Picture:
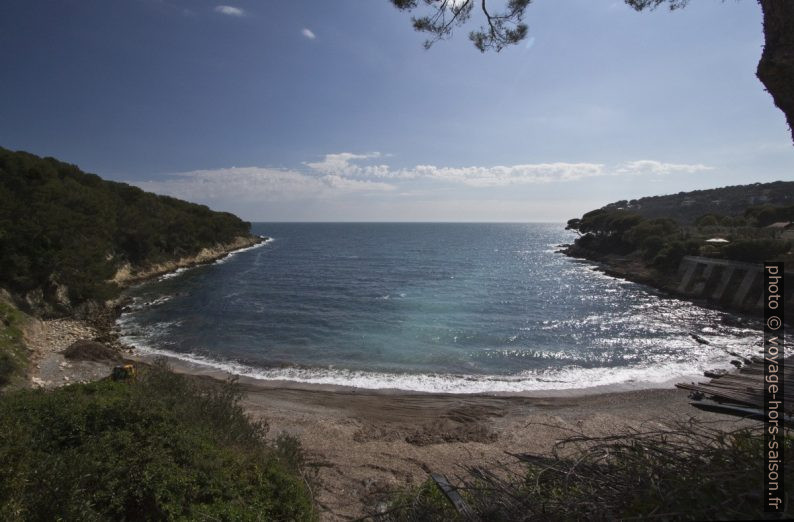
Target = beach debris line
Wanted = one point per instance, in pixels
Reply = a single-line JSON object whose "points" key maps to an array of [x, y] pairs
{"points": [[744, 387]]}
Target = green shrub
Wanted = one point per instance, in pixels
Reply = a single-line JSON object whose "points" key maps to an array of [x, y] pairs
{"points": [[708, 220], [424, 502], [663, 228], [755, 250], [669, 257], [165, 447], [764, 215], [651, 246], [13, 352]]}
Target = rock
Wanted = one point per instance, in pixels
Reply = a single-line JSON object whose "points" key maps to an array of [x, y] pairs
{"points": [[715, 374], [84, 350], [697, 395], [699, 339]]}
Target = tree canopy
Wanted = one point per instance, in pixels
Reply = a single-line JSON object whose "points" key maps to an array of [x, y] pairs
{"points": [[507, 27], [61, 227]]}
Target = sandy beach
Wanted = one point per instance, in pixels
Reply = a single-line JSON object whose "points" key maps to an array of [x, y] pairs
{"points": [[362, 444]]}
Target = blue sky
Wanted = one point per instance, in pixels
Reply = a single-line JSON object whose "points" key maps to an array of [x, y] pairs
{"points": [[327, 111]]}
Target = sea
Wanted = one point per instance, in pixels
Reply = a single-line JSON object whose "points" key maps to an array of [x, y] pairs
{"points": [[433, 307]]}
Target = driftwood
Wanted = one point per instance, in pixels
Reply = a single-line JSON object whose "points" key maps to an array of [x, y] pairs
{"points": [[454, 497], [747, 413], [745, 388]]}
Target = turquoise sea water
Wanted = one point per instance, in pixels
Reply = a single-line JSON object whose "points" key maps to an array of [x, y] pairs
{"points": [[432, 307]]}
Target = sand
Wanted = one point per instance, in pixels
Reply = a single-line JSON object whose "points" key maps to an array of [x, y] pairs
{"points": [[362, 444]]}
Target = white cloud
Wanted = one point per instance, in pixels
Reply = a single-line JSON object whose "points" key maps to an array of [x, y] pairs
{"points": [[659, 168], [229, 10], [348, 181], [308, 33], [341, 165], [511, 175], [347, 164], [257, 184]]}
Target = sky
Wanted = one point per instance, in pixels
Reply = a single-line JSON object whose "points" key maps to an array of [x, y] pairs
{"points": [[334, 111]]}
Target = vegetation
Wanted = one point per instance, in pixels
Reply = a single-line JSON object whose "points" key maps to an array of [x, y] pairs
{"points": [[163, 447], [658, 231], [689, 472], [506, 27], [755, 250], [659, 242], [61, 228], [687, 207], [501, 28], [765, 215], [13, 352]]}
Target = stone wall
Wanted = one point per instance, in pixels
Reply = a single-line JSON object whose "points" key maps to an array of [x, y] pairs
{"points": [[729, 284]]}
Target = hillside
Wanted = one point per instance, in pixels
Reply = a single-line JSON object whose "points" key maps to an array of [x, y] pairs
{"points": [[646, 240], [65, 233], [686, 207]]}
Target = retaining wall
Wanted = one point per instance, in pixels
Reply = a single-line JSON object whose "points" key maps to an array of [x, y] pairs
{"points": [[732, 284]]}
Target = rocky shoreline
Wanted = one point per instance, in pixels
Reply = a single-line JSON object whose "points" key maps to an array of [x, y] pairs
{"points": [[47, 339], [634, 270], [127, 276]]}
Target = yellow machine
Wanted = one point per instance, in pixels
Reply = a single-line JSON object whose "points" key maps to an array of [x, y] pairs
{"points": [[123, 373]]}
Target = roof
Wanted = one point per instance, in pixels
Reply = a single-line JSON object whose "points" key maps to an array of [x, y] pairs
{"points": [[780, 224]]}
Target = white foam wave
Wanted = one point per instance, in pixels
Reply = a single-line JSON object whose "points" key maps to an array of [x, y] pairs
{"points": [[225, 258], [169, 275], [570, 378], [139, 303]]}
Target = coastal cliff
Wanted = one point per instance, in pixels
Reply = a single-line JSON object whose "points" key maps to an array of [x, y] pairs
{"points": [[717, 283], [128, 275], [682, 245], [71, 241]]}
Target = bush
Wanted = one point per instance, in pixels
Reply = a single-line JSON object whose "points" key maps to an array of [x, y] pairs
{"points": [[662, 228], [164, 447], [689, 472], [765, 215], [669, 257], [651, 246], [755, 250], [708, 220], [13, 352]]}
